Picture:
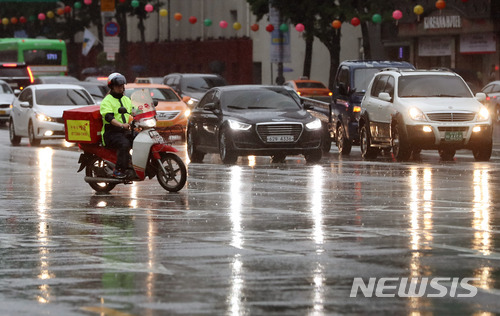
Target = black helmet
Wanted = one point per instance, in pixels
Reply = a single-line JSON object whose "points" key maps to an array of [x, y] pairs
{"points": [[116, 79]]}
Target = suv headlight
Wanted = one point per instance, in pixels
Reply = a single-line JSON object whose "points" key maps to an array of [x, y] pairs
{"points": [[239, 125], [483, 114], [314, 125], [416, 115]]}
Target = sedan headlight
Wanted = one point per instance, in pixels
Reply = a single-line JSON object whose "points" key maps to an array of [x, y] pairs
{"points": [[239, 125], [416, 115], [44, 118], [314, 125], [483, 114]]}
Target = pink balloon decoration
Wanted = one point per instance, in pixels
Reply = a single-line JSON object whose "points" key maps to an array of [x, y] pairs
{"points": [[41, 16], [299, 27], [87, 2], [223, 24], [397, 14], [148, 8]]}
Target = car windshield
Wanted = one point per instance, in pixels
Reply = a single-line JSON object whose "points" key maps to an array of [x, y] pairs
{"points": [[432, 86], [362, 78], [265, 99], [158, 94], [63, 97], [201, 83], [5, 89], [13, 72], [310, 85], [96, 91]]}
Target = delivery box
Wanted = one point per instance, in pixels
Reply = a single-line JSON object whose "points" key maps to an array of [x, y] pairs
{"points": [[83, 125]]}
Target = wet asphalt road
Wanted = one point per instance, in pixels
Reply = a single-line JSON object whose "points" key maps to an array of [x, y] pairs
{"points": [[249, 239]]}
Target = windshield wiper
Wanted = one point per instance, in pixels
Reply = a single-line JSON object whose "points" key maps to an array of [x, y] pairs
{"points": [[235, 107]]}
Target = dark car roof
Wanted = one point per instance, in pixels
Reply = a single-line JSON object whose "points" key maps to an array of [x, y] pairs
{"points": [[194, 75], [250, 87], [376, 64]]}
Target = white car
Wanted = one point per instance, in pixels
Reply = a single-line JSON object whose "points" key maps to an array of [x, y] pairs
{"points": [[411, 110], [7, 97], [37, 112]]}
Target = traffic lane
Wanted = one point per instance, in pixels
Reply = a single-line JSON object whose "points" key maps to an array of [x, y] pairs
{"points": [[253, 238]]}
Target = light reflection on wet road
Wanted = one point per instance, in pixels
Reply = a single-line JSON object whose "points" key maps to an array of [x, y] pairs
{"points": [[249, 239]]}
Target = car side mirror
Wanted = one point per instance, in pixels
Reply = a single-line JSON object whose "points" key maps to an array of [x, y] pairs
{"points": [[481, 96], [25, 104], [384, 96], [209, 107], [17, 92], [155, 103], [186, 99], [342, 89]]}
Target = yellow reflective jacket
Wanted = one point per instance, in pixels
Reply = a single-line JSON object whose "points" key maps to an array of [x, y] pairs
{"points": [[110, 105]]}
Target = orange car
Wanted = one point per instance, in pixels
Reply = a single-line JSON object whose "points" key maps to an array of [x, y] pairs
{"points": [[171, 112], [310, 89]]}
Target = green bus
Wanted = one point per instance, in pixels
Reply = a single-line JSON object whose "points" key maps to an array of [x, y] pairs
{"points": [[44, 56]]}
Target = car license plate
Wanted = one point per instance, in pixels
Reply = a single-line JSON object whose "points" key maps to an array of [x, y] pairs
{"points": [[3, 112], [453, 136], [157, 138], [280, 139]]}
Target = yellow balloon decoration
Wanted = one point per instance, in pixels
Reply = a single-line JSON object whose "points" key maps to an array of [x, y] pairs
{"points": [[418, 9], [50, 14], [236, 26], [5, 21], [163, 12]]}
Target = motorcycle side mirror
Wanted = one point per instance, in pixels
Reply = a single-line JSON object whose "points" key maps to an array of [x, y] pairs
{"points": [[155, 103], [122, 110]]}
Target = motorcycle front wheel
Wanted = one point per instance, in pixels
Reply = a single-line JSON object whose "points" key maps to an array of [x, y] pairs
{"points": [[96, 169], [175, 177]]}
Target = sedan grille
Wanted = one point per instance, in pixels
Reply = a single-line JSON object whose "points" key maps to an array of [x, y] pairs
{"points": [[279, 129], [452, 117], [4, 106]]}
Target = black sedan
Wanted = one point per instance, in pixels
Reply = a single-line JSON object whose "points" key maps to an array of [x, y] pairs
{"points": [[252, 120]]}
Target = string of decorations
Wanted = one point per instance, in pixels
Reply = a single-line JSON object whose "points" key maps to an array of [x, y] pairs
{"points": [[418, 10]]}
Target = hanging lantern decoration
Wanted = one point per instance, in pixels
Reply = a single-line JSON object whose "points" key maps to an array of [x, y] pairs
{"points": [[254, 27], [284, 27], [178, 16], [5, 21], [237, 26], [67, 9], [223, 24], [78, 5], [60, 11], [192, 20], [299, 27], [22, 20], [14, 20], [41, 16], [418, 10], [148, 8], [207, 22], [134, 3], [397, 15], [122, 1], [50, 14], [355, 21], [270, 28], [336, 24], [163, 12], [87, 2], [440, 4], [464, 1], [377, 18]]}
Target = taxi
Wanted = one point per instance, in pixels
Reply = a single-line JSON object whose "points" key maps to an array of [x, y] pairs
{"points": [[310, 89]]}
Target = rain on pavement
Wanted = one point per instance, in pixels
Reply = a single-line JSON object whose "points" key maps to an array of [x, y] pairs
{"points": [[249, 239]]}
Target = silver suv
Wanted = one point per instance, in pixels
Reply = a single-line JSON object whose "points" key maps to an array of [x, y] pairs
{"points": [[411, 110]]}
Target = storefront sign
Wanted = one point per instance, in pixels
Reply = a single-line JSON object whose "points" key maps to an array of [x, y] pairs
{"points": [[442, 22], [434, 46], [479, 43]]}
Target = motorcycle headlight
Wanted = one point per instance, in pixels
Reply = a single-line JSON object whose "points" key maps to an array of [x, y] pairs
{"points": [[416, 115], [483, 114], [314, 125], [239, 125], [148, 123]]}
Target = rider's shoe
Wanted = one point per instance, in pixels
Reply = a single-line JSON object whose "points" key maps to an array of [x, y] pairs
{"points": [[118, 174]]}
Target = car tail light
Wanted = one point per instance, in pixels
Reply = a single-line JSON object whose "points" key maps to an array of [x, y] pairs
{"points": [[9, 65], [31, 75]]}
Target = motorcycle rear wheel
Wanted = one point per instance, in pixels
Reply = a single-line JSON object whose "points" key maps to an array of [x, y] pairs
{"points": [[96, 168], [176, 175]]}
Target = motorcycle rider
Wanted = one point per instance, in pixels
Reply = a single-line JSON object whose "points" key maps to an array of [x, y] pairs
{"points": [[116, 109]]}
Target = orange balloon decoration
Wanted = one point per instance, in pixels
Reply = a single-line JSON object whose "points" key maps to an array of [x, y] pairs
{"points": [[336, 24], [178, 16], [440, 4], [13, 20], [254, 27]]}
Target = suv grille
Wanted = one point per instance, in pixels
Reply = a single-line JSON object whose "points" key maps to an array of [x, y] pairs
{"points": [[283, 129], [452, 117]]}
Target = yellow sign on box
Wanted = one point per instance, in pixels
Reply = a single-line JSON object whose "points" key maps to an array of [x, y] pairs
{"points": [[78, 130], [107, 5]]}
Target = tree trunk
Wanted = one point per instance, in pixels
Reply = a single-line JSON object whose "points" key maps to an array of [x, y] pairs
{"points": [[309, 38], [122, 57], [367, 52]]}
